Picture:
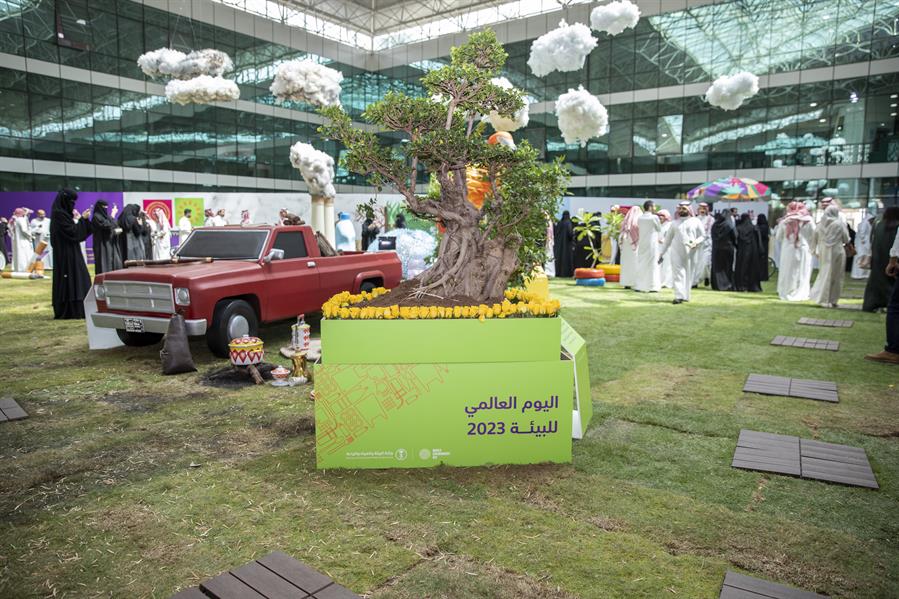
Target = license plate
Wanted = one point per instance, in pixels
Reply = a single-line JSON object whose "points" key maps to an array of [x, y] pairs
{"points": [[134, 325]]}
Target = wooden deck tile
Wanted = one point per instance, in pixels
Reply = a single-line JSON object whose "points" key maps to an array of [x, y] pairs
{"points": [[740, 586], [856, 307], [805, 343], [806, 458], [10, 410], [786, 387], [295, 572], [191, 593]]}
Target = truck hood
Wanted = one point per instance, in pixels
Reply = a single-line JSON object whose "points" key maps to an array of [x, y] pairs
{"points": [[190, 271]]}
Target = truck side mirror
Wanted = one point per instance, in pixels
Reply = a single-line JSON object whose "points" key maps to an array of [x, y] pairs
{"points": [[274, 254]]}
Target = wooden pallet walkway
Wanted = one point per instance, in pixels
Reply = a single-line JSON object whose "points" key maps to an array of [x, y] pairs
{"points": [[805, 343], [823, 322], [787, 387], [740, 586], [10, 410], [275, 576]]}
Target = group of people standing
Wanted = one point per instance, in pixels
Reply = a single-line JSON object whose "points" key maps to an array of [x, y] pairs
{"points": [[26, 237]]}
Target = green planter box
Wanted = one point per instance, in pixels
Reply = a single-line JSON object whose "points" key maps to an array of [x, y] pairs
{"points": [[420, 393]]}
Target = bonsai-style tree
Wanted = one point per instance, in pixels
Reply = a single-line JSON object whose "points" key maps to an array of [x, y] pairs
{"points": [[482, 248]]}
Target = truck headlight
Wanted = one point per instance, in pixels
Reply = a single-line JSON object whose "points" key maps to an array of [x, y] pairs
{"points": [[100, 292], [182, 296]]}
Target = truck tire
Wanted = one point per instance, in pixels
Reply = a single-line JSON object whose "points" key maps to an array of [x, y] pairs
{"points": [[367, 286], [231, 319], [138, 339]]}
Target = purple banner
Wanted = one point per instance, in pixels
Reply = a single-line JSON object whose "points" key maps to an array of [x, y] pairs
{"points": [[43, 200]]}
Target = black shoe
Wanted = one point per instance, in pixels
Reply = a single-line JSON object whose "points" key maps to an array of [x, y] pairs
{"points": [[706, 282], [677, 301]]}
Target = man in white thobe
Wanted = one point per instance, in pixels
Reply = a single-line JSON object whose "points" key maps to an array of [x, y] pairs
{"points": [[209, 217], [704, 270], [40, 231], [22, 244], [862, 249], [649, 272], [219, 219], [684, 239], [184, 225]]}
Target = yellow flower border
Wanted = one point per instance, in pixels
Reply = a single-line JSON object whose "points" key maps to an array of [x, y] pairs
{"points": [[518, 303]]}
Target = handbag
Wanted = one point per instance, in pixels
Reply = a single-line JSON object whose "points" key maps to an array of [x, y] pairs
{"points": [[850, 249]]}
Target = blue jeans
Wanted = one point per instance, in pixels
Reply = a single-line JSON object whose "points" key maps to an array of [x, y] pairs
{"points": [[893, 320]]}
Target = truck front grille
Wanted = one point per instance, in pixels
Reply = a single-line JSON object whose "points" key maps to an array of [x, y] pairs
{"points": [[138, 296]]}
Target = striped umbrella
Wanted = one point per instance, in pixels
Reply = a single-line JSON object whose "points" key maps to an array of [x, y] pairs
{"points": [[734, 189]]}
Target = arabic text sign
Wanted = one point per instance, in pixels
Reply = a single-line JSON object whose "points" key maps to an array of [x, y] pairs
{"points": [[460, 414]]}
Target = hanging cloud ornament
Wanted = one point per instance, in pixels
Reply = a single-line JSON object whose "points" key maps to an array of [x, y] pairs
{"points": [[160, 63], [201, 90], [729, 93], [615, 17], [581, 116], [316, 167], [166, 62], [307, 81], [562, 49], [503, 123]]}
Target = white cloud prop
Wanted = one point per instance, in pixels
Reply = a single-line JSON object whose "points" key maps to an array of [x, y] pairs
{"points": [[316, 167], [307, 81], [161, 62], [214, 63], [615, 17], [562, 49], [581, 116], [729, 93], [166, 62], [503, 123], [201, 90]]}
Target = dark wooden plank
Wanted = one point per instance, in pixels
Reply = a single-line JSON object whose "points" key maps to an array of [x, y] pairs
{"points": [[767, 378], [735, 593], [226, 586], [813, 383], [808, 445], [767, 467], [750, 434], [14, 412], [8, 402], [3, 417], [190, 593], [812, 468], [335, 591], [754, 455], [267, 583], [295, 572], [853, 470], [766, 588], [817, 394]]}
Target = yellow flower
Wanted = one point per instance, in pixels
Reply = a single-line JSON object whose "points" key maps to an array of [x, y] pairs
{"points": [[457, 311], [344, 313]]}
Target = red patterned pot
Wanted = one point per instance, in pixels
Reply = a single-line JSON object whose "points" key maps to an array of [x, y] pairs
{"points": [[246, 350]]}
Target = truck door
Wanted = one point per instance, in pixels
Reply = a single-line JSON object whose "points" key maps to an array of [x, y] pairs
{"points": [[293, 286]]}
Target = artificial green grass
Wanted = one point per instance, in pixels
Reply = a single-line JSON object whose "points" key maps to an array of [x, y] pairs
{"points": [[127, 483]]}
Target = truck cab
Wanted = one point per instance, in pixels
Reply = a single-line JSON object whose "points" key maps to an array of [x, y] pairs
{"points": [[225, 281]]}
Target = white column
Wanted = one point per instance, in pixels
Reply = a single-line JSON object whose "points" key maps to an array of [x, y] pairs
{"points": [[318, 214], [330, 221]]}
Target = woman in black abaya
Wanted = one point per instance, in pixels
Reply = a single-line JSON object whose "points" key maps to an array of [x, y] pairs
{"points": [[764, 238], [747, 276], [107, 255], [563, 246], [132, 239], [724, 243], [71, 281]]}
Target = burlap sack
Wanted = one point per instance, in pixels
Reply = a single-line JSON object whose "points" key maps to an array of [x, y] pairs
{"points": [[175, 353]]}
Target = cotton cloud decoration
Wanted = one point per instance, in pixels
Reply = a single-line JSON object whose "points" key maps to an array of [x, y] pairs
{"points": [[615, 17], [160, 63], [166, 62], [562, 49], [201, 90], [307, 81], [505, 123], [729, 93], [581, 116], [316, 167]]}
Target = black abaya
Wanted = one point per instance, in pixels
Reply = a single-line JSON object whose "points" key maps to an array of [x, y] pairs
{"points": [[747, 275], [107, 254], [132, 243], [764, 238], [563, 246], [724, 242], [71, 281], [879, 285]]}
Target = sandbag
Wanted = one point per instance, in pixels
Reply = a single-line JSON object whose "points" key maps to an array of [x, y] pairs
{"points": [[597, 282], [175, 353]]}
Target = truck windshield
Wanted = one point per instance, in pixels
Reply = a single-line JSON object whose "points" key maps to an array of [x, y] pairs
{"points": [[224, 244]]}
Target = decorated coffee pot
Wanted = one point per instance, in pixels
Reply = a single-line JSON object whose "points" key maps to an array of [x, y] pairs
{"points": [[246, 350]]}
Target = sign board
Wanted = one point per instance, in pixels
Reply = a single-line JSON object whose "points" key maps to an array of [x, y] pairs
{"points": [[459, 414]]}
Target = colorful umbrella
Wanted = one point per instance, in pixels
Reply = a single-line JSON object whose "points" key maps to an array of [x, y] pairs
{"points": [[734, 189]]}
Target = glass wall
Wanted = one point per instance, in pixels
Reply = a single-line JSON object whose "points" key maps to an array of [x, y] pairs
{"points": [[846, 121]]}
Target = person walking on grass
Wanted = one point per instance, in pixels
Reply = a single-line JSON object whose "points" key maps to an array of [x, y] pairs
{"points": [[649, 273], [828, 245], [890, 353], [685, 239]]}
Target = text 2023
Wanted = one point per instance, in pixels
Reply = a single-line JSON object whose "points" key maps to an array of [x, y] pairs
{"points": [[486, 428]]}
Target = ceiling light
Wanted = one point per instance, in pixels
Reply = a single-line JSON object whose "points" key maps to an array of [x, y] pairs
{"points": [[894, 96], [81, 22], [892, 114], [893, 105], [822, 120], [813, 104]]}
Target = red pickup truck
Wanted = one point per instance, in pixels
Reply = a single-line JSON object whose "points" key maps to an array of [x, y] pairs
{"points": [[257, 274]]}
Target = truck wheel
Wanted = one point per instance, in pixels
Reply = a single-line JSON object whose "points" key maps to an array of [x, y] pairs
{"points": [[138, 339], [367, 286], [231, 319]]}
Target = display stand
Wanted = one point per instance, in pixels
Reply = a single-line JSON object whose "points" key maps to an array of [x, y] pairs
{"points": [[98, 338], [420, 393]]}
